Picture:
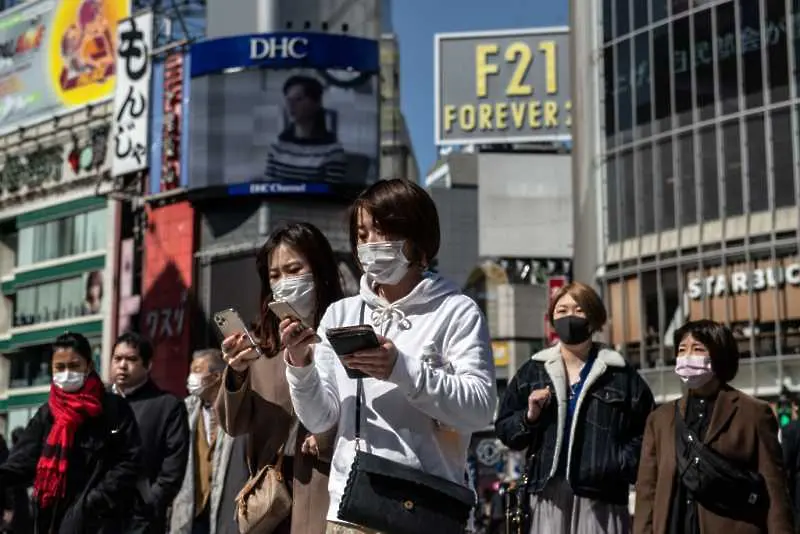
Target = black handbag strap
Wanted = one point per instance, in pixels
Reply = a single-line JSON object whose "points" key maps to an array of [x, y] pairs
{"points": [[359, 389]]}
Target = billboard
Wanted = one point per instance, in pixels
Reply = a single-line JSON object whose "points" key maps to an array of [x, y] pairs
{"points": [[284, 113], [56, 56], [502, 87]]}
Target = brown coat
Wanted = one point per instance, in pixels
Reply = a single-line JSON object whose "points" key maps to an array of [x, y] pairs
{"points": [[742, 429], [262, 409]]}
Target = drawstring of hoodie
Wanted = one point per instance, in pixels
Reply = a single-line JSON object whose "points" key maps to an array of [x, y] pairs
{"points": [[384, 316]]}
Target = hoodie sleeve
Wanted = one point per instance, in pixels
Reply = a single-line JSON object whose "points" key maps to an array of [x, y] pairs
{"points": [[466, 398], [313, 388]]}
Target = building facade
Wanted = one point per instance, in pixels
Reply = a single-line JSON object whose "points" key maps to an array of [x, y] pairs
{"points": [[686, 177]]}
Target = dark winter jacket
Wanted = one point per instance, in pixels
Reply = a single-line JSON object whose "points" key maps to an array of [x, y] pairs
{"points": [[164, 430], [101, 478]]}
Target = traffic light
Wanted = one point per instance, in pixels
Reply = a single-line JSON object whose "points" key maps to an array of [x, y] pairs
{"points": [[784, 411]]}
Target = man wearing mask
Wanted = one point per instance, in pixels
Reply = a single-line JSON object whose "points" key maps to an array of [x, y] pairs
{"points": [[216, 468], [163, 427]]}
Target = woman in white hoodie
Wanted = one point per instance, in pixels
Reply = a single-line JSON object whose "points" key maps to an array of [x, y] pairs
{"points": [[431, 382]]}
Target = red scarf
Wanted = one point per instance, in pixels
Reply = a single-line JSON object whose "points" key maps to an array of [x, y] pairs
{"points": [[69, 410]]}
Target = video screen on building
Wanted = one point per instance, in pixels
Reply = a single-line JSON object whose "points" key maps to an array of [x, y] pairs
{"points": [[268, 126]]}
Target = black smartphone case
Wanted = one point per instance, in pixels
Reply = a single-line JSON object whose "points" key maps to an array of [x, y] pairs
{"points": [[350, 339]]}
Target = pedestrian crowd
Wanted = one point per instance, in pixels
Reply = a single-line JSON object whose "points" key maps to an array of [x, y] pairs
{"points": [[354, 414]]}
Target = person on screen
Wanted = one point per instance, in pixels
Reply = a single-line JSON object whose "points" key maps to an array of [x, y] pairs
{"points": [[306, 150], [94, 293]]}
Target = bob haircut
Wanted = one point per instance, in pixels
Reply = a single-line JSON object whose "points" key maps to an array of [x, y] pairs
{"points": [[308, 241], [589, 301], [403, 210], [719, 341]]}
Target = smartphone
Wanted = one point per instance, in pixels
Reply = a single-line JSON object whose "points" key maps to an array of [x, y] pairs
{"points": [[349, 339], [230, 323], [284, 310]]}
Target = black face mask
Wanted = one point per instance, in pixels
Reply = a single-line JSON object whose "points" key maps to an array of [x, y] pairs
{"points": [[572, 329]]}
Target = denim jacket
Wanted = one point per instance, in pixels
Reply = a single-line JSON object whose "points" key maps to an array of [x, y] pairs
{"points": [[605, 436]]}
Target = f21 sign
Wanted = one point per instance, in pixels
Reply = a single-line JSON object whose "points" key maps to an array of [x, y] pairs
{"points": [[132, 95]]}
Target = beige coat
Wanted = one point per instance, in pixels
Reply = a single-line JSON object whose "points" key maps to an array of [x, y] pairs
{"points": [[262, 409]]}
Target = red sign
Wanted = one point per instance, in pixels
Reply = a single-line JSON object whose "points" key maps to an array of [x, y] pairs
{"points": [[554, 283], [166, 283], [173, 117]]}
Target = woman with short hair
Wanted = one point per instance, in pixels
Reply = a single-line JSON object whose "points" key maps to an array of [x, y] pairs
{"points": [[429, 384], [578, 409], [712, 424]]}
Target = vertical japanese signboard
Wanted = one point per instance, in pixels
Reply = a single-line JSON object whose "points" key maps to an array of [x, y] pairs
{"points": [[554, 283], [132, 95]]}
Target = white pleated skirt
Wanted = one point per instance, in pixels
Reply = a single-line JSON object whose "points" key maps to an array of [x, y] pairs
{"points": [[556, 510]]}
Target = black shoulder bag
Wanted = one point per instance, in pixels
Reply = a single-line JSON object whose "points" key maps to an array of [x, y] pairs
{"points": [[713, 480], [393, 498]]}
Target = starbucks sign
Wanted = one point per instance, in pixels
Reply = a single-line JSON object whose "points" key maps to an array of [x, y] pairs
{"points": [[739, 282]]}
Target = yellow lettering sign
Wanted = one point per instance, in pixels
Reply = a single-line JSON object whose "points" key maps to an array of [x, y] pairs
{"points": [[532, 115], [520, 56], [483, 69]]}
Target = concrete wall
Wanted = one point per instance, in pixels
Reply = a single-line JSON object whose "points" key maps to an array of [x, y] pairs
{"points": [[525, 205], [458, 219]]}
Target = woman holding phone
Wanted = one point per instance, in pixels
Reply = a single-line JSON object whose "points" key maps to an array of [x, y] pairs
{"points": [[431, 380], [297, 266]]}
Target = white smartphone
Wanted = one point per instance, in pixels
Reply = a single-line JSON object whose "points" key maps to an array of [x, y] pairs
{"points": [[284, 310], [229, 323]]}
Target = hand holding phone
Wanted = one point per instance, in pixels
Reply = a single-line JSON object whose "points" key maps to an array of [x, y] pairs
{"points": [[284, 310], [363, 353], [239, 345]]}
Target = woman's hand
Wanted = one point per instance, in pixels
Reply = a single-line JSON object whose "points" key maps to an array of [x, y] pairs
{"points": [[377, 363], [537, 401], [310, 446], [238, 352], [297, 339]]}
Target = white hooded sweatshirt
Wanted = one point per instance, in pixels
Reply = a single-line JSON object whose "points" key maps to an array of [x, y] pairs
{"points": [[424, 414]]}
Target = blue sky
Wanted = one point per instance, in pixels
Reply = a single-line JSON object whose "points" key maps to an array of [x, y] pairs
{"points": [[415, 23]]}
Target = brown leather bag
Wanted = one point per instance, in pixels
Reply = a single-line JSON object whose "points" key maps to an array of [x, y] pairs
{"points": [[264, 501]]}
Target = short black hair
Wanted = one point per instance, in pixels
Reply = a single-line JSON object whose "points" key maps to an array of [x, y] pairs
{"points": [[719, 341], [138, 342], [76, 342], [312, 87], [16, 435]]}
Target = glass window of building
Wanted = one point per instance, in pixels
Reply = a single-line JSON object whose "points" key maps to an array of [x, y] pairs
{"points": [[732, 168], [646, 202], [628, 183], [757, 164], [665, 185], [688, 193], [727, 58], [704, 64], [679, 6], [612, 199], [682, 75], [641, 76], [623, 89], [54, 301], [659, 8], [795, 15], [30, 367], [77, 234], [708, 173], [641, 15], [782, 160], [750, 46], [623, 17], [662, 79], [777, 50], [608, 21], [610, 100]]}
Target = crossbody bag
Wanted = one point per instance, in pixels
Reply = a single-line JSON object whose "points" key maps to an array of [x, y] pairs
{"points": [[393, 498]]}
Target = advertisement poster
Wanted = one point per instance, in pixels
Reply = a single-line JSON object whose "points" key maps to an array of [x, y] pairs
{"points": [[56, 56]]}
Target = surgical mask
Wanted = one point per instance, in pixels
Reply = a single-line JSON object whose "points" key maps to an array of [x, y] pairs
{"points": [[69, 381], [385, 262], [694, 370], [194, 384], [298, 291], [572, 329]]}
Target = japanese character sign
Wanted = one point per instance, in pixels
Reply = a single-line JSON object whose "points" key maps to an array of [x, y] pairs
{"points": [[132, 95]]}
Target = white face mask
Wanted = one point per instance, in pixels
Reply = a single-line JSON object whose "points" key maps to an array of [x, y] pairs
{"points": [[194, 384], [385, 262], [298, 291], [69, 381], [694, 370]]}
